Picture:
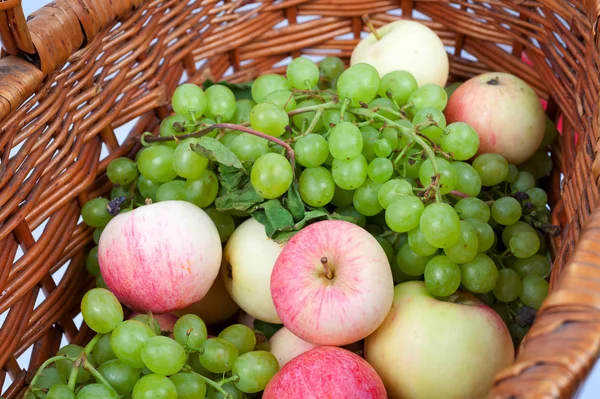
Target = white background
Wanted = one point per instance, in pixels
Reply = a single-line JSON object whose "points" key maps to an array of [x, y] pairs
{"points": [[590, 389]]}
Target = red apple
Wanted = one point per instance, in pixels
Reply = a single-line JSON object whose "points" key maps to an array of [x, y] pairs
{"points": [[285, 346], [166, 321], [429, 348], [504, 111], [332, 283], [326, 372]]}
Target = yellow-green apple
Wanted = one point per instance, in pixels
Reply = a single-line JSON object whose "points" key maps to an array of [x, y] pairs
{"points": [[405, 46], [505, 112], [326, 372], [332, 283], [285, 346], [432, 348], [249, 259]]}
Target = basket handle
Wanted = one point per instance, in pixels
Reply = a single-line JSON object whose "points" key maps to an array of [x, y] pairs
{"points": [[13, 28], [564, 342]]}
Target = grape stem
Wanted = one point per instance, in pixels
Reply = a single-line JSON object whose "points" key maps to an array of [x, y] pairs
{"points": [[90, 346], [73, 376], [309, 108], [459, 194], [403, 152], [233, 378], [230, 126], [47, 363], [215, 385], [409, 133], [314, 121], [343, 109], [99, 377]]}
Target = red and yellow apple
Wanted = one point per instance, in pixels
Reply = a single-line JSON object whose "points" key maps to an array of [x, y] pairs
{"points": [[285, 346]]}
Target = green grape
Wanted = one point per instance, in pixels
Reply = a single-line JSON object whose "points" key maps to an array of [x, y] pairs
{"points": [[218, 355], [411, 263], [461, 140], [538, 165], [413, 167], [284, 99], [243, 107], [271, 175], [466, 248], [342, 197], [316, 186], [385, 244], [451, 88], [506, 211], [533, 291], [400, 277], [229, 137], [269, 118], [220, 103], [174, 190], [187, 163], [365, 198], [203, 191], [149, 321], [64, 366], [311, 150], [156, 163], [223, 221], [435, 132], [49, 377], [102, 351], [351, 174], [473, 208], [538, 197], [524, 244], [97, 391], [440, 225], [241, 336], [442, 276], [95, 212], [101, 310], [190, 331], [480, 274], [382, 105], [230, 388], [331, 68], [91, 262], [121, 171], [147, 187], [358, 83], [302, 73], [96, 234], [303, 120], [380, 170], [255, 370], [404, 213], [418, 244], [154, 386], [525, 181], [60, 391], [163, 355], [370, 136], [189, 386], [512, 229], [508, 286], [267, 84], [391, 135], [121, 376], [428, 95], [349, 211], [189, 100], [448, 175], [331, 117], [488, 298], [535, 265], [194, 362], [127, 341], [392, 189], [345, 141], [513, 172], [397, 85], [174, 125], [403, 139], [382, 148], [248, 148], [485, 234], [492, 168], [468, 180]]}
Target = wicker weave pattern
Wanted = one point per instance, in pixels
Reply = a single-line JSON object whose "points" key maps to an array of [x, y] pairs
{"points": [[50, 148]]}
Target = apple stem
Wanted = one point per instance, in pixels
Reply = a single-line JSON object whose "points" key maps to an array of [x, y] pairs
{"points": [[369, 24], [493, 82], [328, 271]]}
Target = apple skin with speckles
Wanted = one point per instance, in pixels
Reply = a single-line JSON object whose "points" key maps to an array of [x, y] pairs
{"points": [[332, 284], [160, 257]]}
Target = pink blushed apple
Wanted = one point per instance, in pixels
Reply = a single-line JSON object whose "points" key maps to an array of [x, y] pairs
{"points": [[432, 348], [332, 283], [326, 372], [505, 112]]}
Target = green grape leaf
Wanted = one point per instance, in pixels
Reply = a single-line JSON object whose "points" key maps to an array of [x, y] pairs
{"points": [[216, 151], [311, 216], [240, 90], [230, 177], [267, 329], [282, 237], [274, 217], [337, 216], [294, 203], [244, 199]]}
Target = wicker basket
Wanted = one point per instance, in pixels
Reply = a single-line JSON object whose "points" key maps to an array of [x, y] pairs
{"points": [[78, 70]]}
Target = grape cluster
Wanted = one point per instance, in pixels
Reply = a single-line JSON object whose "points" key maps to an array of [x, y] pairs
{"points": [[135, 359]]}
